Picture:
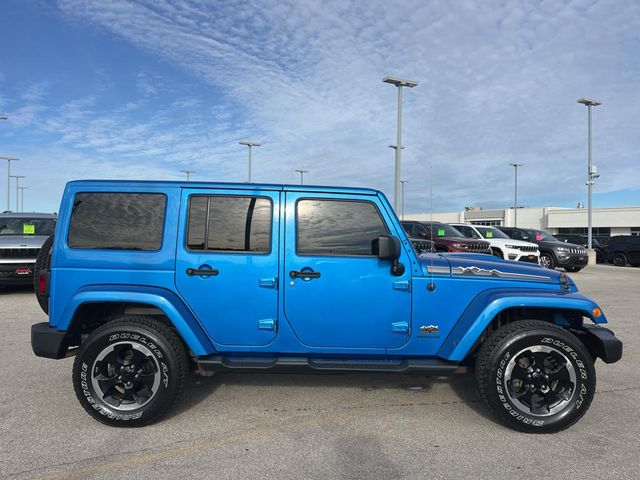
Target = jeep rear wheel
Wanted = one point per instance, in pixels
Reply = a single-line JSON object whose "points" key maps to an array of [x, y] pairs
{"points": [[130, 371], [535, 377]]}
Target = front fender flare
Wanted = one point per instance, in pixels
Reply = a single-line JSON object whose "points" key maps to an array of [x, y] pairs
{"points": [[484, 308], [188, 327]]}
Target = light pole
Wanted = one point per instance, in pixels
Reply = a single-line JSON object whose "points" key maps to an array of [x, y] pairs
{"points": [[403, 182], [9, 160], [188, 172], [302, 172], [250, 145], [591, 171], [398, 82], [17, 177], [22, 189], [515, 206]]}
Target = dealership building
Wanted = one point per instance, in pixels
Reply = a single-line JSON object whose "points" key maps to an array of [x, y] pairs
{"points": [[607, 222]]}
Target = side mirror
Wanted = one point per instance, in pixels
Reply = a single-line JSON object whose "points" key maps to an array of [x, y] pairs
{"points": [[388, 248]]}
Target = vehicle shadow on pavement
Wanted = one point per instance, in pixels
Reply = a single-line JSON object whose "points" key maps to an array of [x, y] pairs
{"points": [[16, 289], [462, 386]]}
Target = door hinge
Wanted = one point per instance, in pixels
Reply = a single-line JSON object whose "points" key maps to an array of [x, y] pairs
{"points": [[400, 327], [267, 324], [402, 285], [268, 282]]}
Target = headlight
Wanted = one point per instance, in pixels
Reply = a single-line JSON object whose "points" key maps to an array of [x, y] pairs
{"points": [[514, 247], [563, 249], [460, 245]]}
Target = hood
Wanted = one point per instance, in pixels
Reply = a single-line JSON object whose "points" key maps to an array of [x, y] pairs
{"points": [[510, 241], [22, 241], [487, 266]]}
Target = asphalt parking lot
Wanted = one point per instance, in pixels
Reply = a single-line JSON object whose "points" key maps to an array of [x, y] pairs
{"points": [[316, 426]]}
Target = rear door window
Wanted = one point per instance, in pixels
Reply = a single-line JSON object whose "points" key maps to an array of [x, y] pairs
{"points": [[227, 223], [117, 221]]}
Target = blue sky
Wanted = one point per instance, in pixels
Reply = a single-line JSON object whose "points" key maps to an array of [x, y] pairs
{"points": [[144, 89]]}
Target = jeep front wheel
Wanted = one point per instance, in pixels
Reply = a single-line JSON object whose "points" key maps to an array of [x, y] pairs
{"points": [[535, 376], [547, 260], [130, 371]]}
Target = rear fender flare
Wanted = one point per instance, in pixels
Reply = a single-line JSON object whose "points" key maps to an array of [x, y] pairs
{"points": [[186, 324]]}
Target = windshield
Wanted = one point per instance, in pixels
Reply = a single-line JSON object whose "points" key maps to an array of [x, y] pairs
{"points": [[443, 230], [26, 226], [541, 236], [490, 232]]}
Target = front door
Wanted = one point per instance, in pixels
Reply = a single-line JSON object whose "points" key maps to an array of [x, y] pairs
{"points": [[227, 263], [338, 294]]}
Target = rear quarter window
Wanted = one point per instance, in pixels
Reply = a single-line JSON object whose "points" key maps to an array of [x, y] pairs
{"points": [[117, 221]]}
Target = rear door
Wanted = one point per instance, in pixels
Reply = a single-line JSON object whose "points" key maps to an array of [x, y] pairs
{"points": [[227, 263], [338, 293]]}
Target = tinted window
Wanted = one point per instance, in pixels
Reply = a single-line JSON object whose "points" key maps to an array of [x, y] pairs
{"points": [[117, 221], [26, 226], [229, 223], [442, 230], [330, 227], [491, 232]]}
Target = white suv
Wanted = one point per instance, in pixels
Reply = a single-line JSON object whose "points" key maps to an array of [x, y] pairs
{"points": [[501, 245]]}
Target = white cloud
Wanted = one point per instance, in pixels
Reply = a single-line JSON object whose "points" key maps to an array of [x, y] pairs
{"points": [[498, 83]]}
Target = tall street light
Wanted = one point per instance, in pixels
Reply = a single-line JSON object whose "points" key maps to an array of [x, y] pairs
{"points": [[515, 205], [302, 172], [9, 160], [398, 82], [17, 177], [591, 170], [250, 145], [22, 189], [188, 172], [403, 182]]}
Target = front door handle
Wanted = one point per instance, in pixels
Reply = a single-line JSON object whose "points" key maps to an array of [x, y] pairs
{"points": [[202, 272], [303, 274]]}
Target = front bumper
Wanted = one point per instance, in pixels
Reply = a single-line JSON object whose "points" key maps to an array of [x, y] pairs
{"points": [[48, 342], [601, 342], [572, 260], [16, 273]]}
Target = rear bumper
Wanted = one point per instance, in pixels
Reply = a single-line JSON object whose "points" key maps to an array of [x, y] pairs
{"points": [[601, 342], [48, 342]]}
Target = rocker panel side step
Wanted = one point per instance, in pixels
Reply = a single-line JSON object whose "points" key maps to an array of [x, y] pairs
{"points": [[434, 367]]}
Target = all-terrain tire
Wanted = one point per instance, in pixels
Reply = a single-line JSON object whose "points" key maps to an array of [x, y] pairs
{"points": [[118, 361], [43, 262], [507, 348]]}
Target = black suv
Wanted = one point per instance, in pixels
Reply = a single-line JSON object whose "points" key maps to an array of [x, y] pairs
{"points": [[623, 249], [583, 240], [553, 252]]}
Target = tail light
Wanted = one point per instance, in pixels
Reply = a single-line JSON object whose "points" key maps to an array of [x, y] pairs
{"points": [[42, 282]]}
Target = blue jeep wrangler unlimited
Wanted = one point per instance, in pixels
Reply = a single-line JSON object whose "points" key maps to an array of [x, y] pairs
{"points": [[146, 282]]}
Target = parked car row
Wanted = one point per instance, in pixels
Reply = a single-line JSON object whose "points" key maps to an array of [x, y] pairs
{"points": [[568, 251], [517, 244]]}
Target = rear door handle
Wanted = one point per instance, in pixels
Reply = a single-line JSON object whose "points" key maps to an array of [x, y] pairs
{"points": [[202, 272], [301, 274]]}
